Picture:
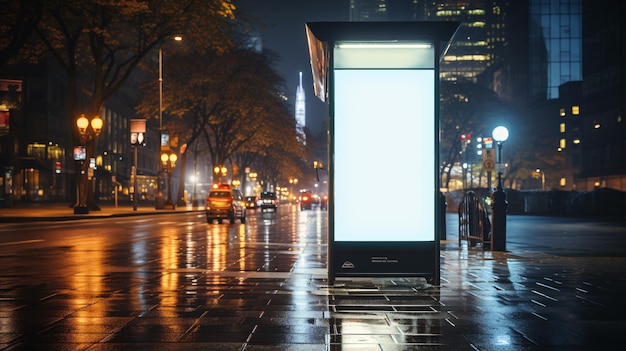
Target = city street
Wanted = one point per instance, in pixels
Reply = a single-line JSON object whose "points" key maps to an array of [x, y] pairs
{"points": [[174, 282]]}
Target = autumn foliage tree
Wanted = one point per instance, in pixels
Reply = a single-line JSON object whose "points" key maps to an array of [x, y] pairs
{"points": [[465, 108], [18, 22], [228, 102], [100, 43]]}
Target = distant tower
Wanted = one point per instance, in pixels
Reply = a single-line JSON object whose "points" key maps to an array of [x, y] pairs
{"points": [[300, 112]]}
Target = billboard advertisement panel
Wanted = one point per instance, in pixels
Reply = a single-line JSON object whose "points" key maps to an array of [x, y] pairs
{"points": [[384, 152], [381, 82]]}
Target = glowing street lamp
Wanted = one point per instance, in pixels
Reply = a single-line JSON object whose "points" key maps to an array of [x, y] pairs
{"points": [[220, 173], [498, 239], [88, 136], [137, 137], [168, 161]]}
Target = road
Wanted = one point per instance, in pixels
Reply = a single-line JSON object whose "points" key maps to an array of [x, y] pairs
{"points": [[165, 282], [174, 241]]}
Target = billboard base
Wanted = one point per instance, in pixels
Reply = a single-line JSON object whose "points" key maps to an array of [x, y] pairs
{"points": [[385, 259]]}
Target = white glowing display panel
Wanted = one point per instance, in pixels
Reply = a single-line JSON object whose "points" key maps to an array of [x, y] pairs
{"points": [[384, 155]]}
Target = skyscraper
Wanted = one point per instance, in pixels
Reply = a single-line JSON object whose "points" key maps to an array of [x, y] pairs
{"points": [[559, 28], [478, 43], [386, 10], [300, 112], [601, 121]]}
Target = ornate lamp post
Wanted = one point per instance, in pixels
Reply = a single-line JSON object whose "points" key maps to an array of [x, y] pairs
{"points": [[220, 173], [137, 136], [89, 131], [168, 161], [498, 240]]}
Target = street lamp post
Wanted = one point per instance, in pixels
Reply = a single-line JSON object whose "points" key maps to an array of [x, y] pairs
{"points": [[543, 178], [220, 173], [159, 204], [168, 162], [252, 176], [292, 182], [137, 137], [499, 206], [89, 131]]}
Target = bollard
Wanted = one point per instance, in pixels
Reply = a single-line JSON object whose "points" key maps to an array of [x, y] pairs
{"points": [[498, 218]]}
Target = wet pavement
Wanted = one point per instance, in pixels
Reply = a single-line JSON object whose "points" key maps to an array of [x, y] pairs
{"points": [[263, 286]]}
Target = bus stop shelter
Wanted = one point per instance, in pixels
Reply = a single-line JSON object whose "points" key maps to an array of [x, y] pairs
{"points": [[381, 83]]}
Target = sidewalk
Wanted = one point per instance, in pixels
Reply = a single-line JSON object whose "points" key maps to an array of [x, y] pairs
{"points": [[63, 212], [260, 296]]}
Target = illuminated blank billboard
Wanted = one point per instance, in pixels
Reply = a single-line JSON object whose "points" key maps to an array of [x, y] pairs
{"points": [[381, 82], [384, 144]]}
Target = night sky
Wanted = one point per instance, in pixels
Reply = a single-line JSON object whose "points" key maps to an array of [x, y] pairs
{"points": [[285, 34]]}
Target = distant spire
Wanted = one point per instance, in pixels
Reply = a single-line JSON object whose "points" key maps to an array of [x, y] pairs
{"points": [[300, 111]]}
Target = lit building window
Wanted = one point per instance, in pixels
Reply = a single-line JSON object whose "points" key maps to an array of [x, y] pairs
{"points": [[575, 110], [562, 112], [576, 141], [562, 144], [563, 182], [37, 150], [596, 126], [476, 25], [476, 12], [562, 127]]}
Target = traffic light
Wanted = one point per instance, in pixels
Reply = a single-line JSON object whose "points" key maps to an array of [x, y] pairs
{"points": [[466, 137]]}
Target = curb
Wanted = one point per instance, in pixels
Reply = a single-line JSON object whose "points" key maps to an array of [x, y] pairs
{"points": [[71, 217]]}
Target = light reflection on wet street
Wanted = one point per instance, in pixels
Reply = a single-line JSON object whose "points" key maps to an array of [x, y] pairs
{"points": [[173, 282]]}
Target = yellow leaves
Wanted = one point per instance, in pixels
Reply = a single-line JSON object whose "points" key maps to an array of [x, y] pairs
{"points": [[227, 9]]}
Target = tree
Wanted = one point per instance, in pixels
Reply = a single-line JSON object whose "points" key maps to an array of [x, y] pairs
{"points": [[531, 145], [465, 108], [17, 23], [227, 97], [275, 152], [105, 41]]}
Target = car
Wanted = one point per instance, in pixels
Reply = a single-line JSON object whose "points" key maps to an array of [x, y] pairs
{"points": [[252, 202], [224, 202], [268, 201], [306, 200]]}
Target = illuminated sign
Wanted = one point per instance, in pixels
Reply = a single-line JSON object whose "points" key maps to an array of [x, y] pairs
{"points": [[382, 154], [80, 153]]}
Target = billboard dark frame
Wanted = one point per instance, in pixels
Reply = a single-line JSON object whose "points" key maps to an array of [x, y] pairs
{"points": [[365, 70]]}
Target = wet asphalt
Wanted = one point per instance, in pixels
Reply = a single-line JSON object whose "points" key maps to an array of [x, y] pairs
{"points": [[173, 282]]}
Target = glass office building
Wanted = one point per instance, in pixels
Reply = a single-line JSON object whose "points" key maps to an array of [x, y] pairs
{"points": [[559, 27]]}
